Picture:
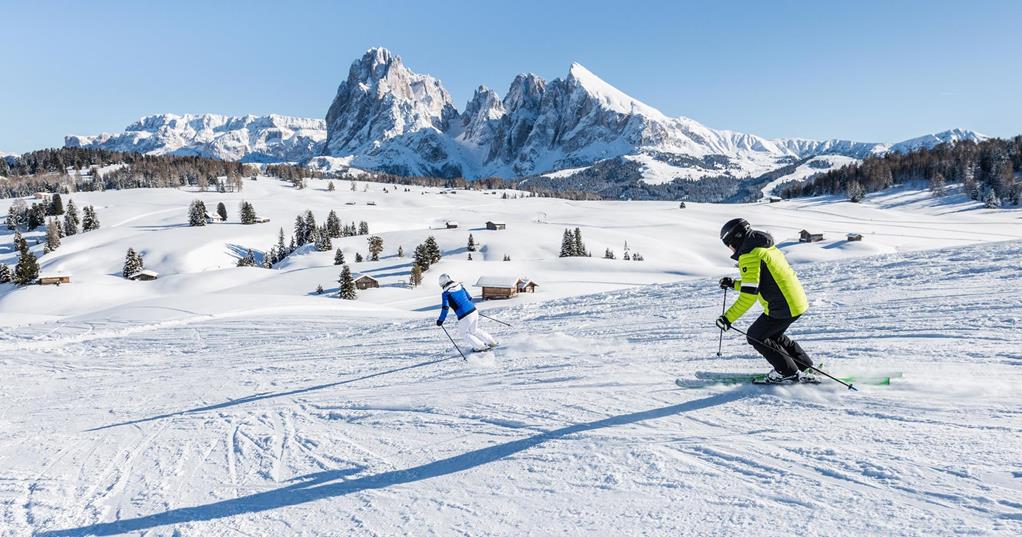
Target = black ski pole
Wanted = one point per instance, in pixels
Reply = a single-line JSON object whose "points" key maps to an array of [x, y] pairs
{"points": [[496, 320], [452, 342], [720, 344], [793, 359]]}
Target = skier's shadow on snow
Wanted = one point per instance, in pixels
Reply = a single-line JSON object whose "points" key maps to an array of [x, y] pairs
{"points": [[270, 395], [319, 486]]}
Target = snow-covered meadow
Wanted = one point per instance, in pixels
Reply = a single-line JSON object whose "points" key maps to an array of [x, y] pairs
{"points": [[219, 400]]}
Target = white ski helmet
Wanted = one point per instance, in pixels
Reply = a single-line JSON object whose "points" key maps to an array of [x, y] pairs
{"points": [[445, 280]]}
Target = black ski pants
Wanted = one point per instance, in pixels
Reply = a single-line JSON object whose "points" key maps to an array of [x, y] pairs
{"points": [[781, 351]]}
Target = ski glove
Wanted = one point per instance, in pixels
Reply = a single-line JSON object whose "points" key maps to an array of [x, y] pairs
{"points": [[439, 322], [723, 323], [727, 283]]}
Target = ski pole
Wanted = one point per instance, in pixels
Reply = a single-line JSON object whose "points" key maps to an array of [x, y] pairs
{"points": [[496, 320], [452, 342], [793, 359], [720, 344]]}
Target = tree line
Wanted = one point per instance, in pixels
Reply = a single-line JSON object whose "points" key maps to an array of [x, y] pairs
{"points": [[988, 171]]}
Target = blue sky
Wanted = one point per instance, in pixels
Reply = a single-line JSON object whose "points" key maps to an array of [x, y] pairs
{"points": [[869, 71]]}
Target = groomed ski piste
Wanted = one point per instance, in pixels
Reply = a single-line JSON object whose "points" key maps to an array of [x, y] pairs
{"points": [[225, 401]]}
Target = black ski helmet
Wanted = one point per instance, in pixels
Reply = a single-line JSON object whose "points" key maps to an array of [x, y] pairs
{"points": [[734, 232]]}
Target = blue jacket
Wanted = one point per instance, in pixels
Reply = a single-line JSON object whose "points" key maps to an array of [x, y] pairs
{"points": [[458, 298]]}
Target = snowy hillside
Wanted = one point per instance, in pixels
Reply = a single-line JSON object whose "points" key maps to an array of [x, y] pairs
{"points": [[270, 138], [200, 261], [809, 169], [387, 117], [216, 401]]}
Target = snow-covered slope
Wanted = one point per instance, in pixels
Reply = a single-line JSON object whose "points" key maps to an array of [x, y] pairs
{"points": [[270, 138], [809, 169], [241, 414], [386, 117]]}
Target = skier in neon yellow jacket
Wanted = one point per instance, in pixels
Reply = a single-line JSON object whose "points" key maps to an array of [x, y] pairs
{"points": [[766, 276]]}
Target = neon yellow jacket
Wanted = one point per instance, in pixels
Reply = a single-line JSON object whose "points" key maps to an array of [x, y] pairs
{"points": [[766, 276]]}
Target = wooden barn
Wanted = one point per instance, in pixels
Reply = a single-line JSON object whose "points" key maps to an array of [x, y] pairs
{"points": [[496, 225], [365, 281], [505, 286], [144, 276], [451, 224], [805, 236], [54, 279], [854, 237]]}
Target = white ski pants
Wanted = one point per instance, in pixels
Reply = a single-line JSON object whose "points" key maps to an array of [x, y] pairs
{"points": [[468, 329]]}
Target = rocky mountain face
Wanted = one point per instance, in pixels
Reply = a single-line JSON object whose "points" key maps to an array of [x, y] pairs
{"points": [[386, 117], [269, 138]]}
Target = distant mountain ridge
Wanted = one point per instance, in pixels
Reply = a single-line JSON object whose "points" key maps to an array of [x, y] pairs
{"points": [[386, 117]]}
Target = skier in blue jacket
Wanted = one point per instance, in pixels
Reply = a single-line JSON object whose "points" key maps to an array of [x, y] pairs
{"points": [[455, 296]]}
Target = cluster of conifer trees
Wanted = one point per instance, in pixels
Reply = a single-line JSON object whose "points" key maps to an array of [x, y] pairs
{"points": [[988, 171]]}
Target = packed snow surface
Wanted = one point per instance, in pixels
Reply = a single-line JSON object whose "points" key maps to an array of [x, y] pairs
{"points": [[220, 400]]}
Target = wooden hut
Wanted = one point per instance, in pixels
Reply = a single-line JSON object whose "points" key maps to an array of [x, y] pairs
{"points": [[505, 286], [451, 224], [496, 225], [144, 276], [805, 236], [54, 279], [854, 237], [365, 281]]}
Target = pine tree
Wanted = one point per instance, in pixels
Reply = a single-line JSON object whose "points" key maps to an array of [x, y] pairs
{"points": [[422, 257], [568, 244], [36, 216], [358, 257], [433, 250], [319, 288], [56, 206], [132, 263], [415, 278], [90, 221], [400, 251], [5, 274], [347, 287], [248, 260], [71, 219], [375, 247], [363, 228], [471, 243], [507, 257], [627, 257], [52, 234], [339, 257], [310, 227], [323, 243], [855, 191], [248, 214], [281, 245], [580, 247], [609, 254], [268, 258], [300, 234], [27, 269], [333, 224], [197, 213], [470, 256], [221, 211], [330, 187]]}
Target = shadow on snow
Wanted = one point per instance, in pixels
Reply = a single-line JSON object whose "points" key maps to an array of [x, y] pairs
{"points": [[270, 395]]}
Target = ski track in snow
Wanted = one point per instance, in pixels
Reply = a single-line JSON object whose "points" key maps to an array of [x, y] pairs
{"points": [[307, 422]]}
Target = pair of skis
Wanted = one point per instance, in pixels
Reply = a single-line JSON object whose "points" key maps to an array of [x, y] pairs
{"points": [[703, 378]]}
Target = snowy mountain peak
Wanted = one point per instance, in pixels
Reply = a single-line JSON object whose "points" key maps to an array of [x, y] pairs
{"points": [[931, 140], [609, 96], [382, 100]]}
